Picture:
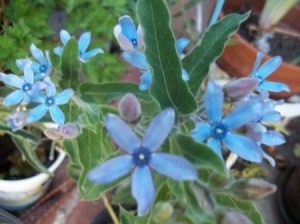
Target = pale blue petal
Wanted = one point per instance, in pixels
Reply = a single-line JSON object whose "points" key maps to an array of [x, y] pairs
{"points": [[37, 113], [35, 67], [272, 138], [274, 86], [215, 145], [176, 167], [51, 90], [22, 62], [269, 67], [37, 53], [271, 117], [201, 132], [26, 99], [28, 74], [111, 170], [185, 76], [64, 96], [13, 98], [142, 189], [244, 147], [145, 81], [121, 133], [181, 44], [136, 59], [13, 80], [85, 56], [64, 36], [38, 97], [84, 41], [242, 114], [159, 129], [213, 101], [58, 50], [259, 57], [57, 115], [128, 29]]}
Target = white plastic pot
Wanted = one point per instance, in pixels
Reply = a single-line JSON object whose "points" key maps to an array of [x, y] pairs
{"points": [[19, 194]]}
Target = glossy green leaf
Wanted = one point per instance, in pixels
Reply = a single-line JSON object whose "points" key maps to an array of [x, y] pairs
{"points": [[200, 155], [167, 86], [127, 217], [198, 61], [70, 65]]}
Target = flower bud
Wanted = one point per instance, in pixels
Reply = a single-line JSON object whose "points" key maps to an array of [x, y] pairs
{"points": [[232, 217], [253, 188], [52, 133], [240, 88], [70, 130], [130, 108], [164, 211], [16, 120], [218, 180]]}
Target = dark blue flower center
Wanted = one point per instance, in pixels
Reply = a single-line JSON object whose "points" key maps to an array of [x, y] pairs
{"points": [[219, 131], [26, 87], [43, 68], [50, 101], [134, 42], [141, 157]]}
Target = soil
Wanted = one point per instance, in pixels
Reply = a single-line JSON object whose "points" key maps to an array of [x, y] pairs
{"points": [[287, 46]]}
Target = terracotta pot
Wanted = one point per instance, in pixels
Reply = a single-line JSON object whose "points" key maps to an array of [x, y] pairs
{"points": [[238, 59]]}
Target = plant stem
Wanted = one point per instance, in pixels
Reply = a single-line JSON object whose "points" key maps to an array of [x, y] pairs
{"points": [[207, 194], [110, 209]]}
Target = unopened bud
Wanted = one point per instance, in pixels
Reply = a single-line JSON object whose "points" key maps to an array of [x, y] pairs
{"points": [[240, 88], [52, 133], [232, 217], [252, 188], [130, 108], [70, 130], [163, 212], [218, 180], [16, 120]]}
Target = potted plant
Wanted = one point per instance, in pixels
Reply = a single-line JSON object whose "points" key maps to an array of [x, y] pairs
{"points": [[238, 57]]}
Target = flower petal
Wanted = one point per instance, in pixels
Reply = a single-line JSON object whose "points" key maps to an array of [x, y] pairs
{"points": [[184, 75], [37, 53], [57, 115], [274, 86], [125, 43], [201, 132], [37, 113], [243, 147], [159, 129], [87, 55], [121, 133], [140, 36], [136, 59], [173, 166], [271, 117], [13, 98], [272, 138], [145, 81], [64, 36], [64, 96], [215, 145], [84, 41], [258, 59], [269, 67], [58, 50], [142, 189], [213, 102], [22, 62], [111, 170], [28, 74], [181, 44], [13, 80], [128, 29]]}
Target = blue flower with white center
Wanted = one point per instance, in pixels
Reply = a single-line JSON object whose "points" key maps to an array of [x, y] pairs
{"points": [[138, 60], [266, 69], [220, 130], [141, 157], [26, 87], [50, 102], [42, 67], [83, 43]]}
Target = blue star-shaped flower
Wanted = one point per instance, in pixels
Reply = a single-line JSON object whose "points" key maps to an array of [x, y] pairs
{"points": [[83, 43], [219, 130], [50, 102], [141, 157], [266, 69], [42, 67]]}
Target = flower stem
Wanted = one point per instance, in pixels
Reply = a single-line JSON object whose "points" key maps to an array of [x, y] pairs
{"points": [[110, 209]]}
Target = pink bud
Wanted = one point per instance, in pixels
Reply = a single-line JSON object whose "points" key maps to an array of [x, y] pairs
{"points": [[232, 217], [70, 130], [130, 108], [240, 88], [52, 133]]}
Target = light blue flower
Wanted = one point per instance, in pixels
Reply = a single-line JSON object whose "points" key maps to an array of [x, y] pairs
{"points": [[83, 43], [220, 130], [26, 87], [141, 157], [42, 67], [50, 102], [266, 69]]}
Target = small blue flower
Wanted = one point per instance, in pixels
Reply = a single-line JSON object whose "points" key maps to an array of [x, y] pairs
{"points": [[141, 157], [83, 43], [50, 102], [266, 69], [219, 130], [26, 87], [42, 67]]}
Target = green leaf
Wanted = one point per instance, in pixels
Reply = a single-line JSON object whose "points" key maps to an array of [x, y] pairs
{"points": [[123, 196], [127, 217], [200, 155], [245, 206], [167, 86], [70, 65], [198, 61]]}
